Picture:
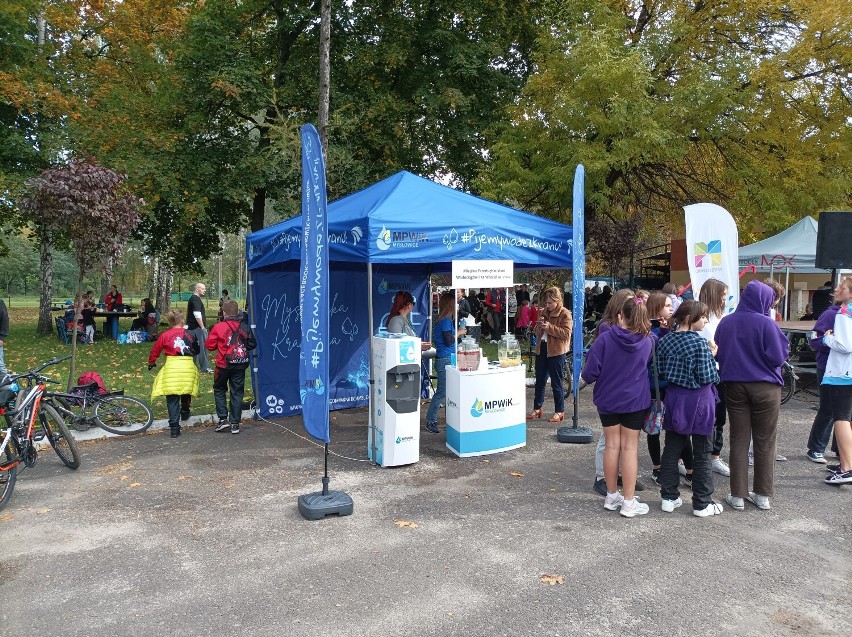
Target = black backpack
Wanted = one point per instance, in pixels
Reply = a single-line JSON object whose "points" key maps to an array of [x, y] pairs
{"points": [[240, 343]]}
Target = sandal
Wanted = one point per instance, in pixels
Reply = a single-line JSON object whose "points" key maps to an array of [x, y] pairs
{"points": [[534, 415], [559, 416]]}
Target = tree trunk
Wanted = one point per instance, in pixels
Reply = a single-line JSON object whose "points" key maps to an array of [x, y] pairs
{"points": [[45, 317], [72, 374], [324, 74]]}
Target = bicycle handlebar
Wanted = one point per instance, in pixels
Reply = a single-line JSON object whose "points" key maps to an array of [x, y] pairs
{"points": [[33, 373]]}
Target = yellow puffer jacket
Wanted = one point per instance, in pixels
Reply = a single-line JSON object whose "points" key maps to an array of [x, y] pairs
{"points": [[178, 376]]}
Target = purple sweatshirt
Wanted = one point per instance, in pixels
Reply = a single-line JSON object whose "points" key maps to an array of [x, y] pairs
{"points": [[824, 322], [618, 365], [751, 346]]}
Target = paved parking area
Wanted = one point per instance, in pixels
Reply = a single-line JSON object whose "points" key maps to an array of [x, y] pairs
{"points": [[201, 536]]}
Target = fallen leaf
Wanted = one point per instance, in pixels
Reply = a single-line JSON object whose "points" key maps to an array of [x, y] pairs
{"points": [[551, 580], [184, 477], [517, 474], [8, 516], [43, 511], [486, 460], [405, 523], [134, 484], [553, 489], [124, 478]]}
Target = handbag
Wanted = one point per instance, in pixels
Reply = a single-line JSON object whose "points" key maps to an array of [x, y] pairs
{"points": [[653, 424]]}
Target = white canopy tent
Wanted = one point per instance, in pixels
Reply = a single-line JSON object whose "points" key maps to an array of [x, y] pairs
{"points": [[793, 249]]}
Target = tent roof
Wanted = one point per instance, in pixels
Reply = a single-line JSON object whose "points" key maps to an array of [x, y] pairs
{"points": [[793, 248], [409, 219]]}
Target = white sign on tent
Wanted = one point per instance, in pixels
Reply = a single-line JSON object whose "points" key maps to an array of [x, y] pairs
{"points": [[483, 274]]}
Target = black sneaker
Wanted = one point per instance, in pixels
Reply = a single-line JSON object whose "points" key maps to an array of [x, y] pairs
{"points": [[841, 477], [184, 415], [655, 476], [222, 426], [432, 427], [235, 428], [687, 480], [600, 486], [832, 468], [639, 486]]}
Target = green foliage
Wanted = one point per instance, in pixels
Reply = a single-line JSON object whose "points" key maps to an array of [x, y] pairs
{"points": [[669, 103]]}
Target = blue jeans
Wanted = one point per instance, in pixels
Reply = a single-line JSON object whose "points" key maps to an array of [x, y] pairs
{"points": [[3, 370], [441, 392], [549, 365]]}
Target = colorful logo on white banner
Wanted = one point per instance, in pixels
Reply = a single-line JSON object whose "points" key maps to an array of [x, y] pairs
{"points": [[708, 255]]}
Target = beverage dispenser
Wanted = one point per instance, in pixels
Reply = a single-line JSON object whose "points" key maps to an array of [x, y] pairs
{"points": [[394, 437]]}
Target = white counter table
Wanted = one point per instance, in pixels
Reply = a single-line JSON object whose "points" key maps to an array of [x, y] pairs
{"points": [[486, 410]]}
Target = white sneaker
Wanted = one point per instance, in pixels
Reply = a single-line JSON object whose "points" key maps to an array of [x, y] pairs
{"points": [[634, 509], [780, 458], [760, 501], [613, 504], [714, 508], [735, 502], [681, 469], [718, 465], [670, 505]]}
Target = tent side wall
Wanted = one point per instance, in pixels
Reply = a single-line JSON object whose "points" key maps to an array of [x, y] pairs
{"points": [[275, 308]]}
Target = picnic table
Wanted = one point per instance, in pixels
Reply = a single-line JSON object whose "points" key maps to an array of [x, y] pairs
{"points": [[111, 321]]}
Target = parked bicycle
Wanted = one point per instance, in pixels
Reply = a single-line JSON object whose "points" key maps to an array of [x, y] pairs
{"points": [[29, 420], [85, 407]]}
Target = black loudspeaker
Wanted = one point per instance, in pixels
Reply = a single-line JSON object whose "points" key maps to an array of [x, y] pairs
{"points": [[834, 240]]}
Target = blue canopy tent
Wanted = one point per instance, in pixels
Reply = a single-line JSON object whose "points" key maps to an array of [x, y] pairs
{"points": [[387, 237]]}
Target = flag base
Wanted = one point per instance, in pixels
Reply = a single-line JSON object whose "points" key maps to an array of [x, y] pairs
{"points": [[575, 435], [316, 506]]}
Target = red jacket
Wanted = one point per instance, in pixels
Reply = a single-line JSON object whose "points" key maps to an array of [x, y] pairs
{"points": [[111, 301], [174, 342], [219, 338]]}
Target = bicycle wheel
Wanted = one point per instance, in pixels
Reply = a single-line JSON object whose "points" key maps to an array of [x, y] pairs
{"points": [[789, 387], [123, 415], [56, 432], [8, 475]]}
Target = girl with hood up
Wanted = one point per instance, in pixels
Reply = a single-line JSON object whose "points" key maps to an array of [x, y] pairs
{"points": [[618, 365], [751, 350]]}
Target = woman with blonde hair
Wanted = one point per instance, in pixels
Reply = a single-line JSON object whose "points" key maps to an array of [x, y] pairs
{"points": [[553, 332], [714, 294]]}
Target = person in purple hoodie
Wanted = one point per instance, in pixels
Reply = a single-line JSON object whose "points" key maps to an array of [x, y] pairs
{"points": [[751, 351], [618, 365], [823, 421]]}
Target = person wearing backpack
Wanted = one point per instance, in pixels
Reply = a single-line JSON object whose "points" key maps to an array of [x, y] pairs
{"points": [[178, 380], [232, 339]]}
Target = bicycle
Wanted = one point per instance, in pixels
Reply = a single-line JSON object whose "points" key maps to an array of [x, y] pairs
{"points": [[23, 409], [85, 407]]}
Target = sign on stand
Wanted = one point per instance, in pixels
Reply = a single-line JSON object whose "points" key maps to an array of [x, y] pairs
{"points": [[483, 274]]}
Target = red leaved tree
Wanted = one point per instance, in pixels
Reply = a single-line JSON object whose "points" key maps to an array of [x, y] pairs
{"points": [[93, 209]]}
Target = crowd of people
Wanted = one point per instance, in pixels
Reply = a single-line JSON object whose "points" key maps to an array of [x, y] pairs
{"points": [[706, 365], [709, 369]]}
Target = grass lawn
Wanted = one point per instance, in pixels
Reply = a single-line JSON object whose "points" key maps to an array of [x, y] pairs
{"points": [[121, 366]]}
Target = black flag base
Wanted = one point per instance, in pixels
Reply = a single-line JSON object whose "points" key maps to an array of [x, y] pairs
{"points": [[576, 435], [316, 506]]}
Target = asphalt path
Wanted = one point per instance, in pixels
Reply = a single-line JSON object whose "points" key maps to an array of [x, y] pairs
{"points": [[201, 536]]}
